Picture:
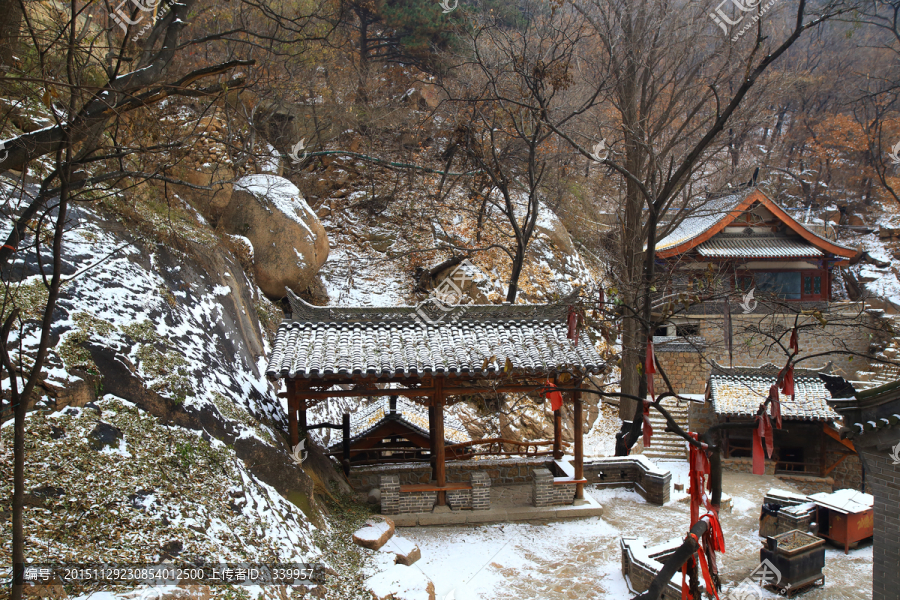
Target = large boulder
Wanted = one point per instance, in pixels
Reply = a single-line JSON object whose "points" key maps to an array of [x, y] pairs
{"points": [[289, 242]]}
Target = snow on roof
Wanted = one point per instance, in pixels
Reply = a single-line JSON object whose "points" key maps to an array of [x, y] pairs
{"points": [[757, 246], [320, 341], [739, 392], [846, 501], [702, 219]]}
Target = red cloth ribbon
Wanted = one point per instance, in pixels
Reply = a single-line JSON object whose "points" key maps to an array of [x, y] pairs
{"points": [[556, 399], [713, 539], [787, 383], [650, 367], [765, 430], [775, 405], [647, 429], [794, 344], [759, 463]]}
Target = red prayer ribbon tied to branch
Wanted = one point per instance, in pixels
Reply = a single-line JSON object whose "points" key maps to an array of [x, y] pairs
{"points": [[574, 321], [552, 392], [794, 344], [775, 406], [649, 370], [713, 540], [762, 430]]}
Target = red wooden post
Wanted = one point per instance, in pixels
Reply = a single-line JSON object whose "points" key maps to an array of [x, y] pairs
{"points": [[579, 442], [293, 405], [557, 434], [440, 474], [432, 448], [345, 425]]}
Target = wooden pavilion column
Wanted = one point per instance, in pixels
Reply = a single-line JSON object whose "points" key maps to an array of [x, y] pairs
{"points": [[293, 408], [579, 441], [437, 437], [432, 449]]}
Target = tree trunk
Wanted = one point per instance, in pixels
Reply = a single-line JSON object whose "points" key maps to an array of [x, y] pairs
{"points": [[516, 273], [10, 23]]}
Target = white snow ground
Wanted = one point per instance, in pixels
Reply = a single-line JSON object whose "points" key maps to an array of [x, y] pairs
{"points": [[581, 558]]}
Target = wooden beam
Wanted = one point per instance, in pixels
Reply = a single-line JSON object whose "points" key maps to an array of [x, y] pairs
{"points": [[837, 436], [421, 391], [579, 442], [440, 474]]}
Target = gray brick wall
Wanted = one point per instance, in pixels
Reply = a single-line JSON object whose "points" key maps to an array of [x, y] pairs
{"points": [[513, 471], [390, 494], [883, 477], [481, 491], [415, 502], [544, 492], [630, 472]]}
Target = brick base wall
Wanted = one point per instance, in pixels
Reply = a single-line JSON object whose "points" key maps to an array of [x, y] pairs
{"points": [[394, 501], [545, 492], [630, 471], [641, 565], [884, 478], [512, 471]]}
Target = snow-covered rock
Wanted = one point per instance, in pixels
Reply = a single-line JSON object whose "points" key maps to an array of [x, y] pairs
{"points": [[375, 534], [405, 551], [290, 245]]}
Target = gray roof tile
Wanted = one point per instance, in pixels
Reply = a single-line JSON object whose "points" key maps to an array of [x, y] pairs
{"points": [[320, 341]]}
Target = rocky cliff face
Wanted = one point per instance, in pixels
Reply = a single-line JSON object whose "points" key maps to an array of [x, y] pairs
{"points": [[155, 382]]}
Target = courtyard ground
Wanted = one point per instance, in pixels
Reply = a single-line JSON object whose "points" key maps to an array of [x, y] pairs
{"points": [[581, 558]]}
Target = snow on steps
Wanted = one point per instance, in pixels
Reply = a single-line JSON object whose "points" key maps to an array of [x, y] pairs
{"points": [[663, 444]]}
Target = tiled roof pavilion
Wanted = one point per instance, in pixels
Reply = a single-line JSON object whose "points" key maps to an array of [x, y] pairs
{"points": [[341, 343], [428, 355], [703, 231]]}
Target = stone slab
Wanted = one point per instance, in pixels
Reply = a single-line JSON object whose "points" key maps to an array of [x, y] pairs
{"points": [[591, 508]]}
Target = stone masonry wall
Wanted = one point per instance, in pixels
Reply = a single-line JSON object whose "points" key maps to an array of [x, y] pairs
{"points": [[545, 492], [884, 479], [630, 472], [394, 502], [686, 370], [513, 471], [642, 568], [701, 416]]}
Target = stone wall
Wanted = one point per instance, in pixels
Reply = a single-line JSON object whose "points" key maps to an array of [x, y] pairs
{"points": [[640, 565], [511, 471], [685, 369], [701, 416], [481, 491], [416, 502], [630, 471], [748, 352], [884, 478], [396, 501], [848, 474], [547, 492], [390, 495]]}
